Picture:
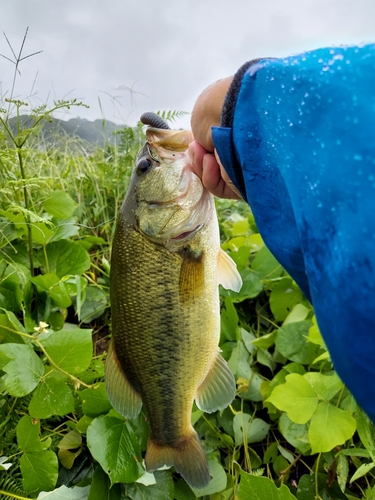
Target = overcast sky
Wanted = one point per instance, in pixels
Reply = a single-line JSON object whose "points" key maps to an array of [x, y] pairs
{"points": [[124, 57]]}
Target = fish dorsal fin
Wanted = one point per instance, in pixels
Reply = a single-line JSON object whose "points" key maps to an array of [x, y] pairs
{"points": [[121, 394], [227, 273], [218, 389]]}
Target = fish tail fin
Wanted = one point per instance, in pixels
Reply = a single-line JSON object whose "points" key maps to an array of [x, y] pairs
{"points": [[187, 456]]}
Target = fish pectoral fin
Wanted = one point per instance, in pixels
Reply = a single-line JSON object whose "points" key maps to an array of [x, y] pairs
{"points": [[121, 394], [218, 389], [227, 273]]}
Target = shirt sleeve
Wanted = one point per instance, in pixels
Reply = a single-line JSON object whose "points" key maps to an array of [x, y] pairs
{"points": [[302, 138]]}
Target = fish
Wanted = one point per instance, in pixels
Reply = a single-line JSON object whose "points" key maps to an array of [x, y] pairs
{"points": [[166, 266]]}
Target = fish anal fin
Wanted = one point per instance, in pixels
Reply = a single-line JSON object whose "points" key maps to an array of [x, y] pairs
{"points": [[122, 396], [187, 456], [218, 389], [227, 273]]}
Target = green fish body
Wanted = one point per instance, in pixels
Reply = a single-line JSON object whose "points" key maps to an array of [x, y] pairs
{"points": [[165, 269]]}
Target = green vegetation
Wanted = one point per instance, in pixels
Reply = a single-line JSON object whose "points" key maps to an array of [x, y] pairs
{"points": [[293, 431]]}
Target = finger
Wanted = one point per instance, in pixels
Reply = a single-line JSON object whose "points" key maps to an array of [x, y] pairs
{"points": [[212, 178], [197, 152]]}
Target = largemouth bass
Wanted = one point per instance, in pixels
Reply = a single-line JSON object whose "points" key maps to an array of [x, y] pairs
{"points": [[165, 270]]}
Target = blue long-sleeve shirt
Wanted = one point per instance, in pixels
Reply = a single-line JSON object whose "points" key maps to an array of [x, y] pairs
{"points": [[298, 140]]}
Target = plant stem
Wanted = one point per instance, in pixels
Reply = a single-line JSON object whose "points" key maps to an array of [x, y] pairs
{"points": [[12, 495], [317, 496], [27, 219]]}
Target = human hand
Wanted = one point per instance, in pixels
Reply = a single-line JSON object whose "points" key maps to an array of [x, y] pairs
{"points": [[206, 113], [210, 170]]}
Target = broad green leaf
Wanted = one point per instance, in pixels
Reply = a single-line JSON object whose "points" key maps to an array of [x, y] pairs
{"points": [[95, 401], [10, 295], [83, 423], [94, 305], [298, 313], [9, 326], [261, 488], [306, 489], [241, 227], [65, 257], [70, 441], [285, 453], [265, 265], [248, 339], [271, 453], [249, 430], [70, 350], [291, 342], [280, 464], [325, 386], [28, 434], [68, 451], [229, 320], [44, 282], [42, 232], [112, 445], [24, 369], [39, 471], [251, 287], [342, 471], [314, 334], [52, 397], [265, 341], [295, 434], [296, 397], [329, 427], [182, 491], [56, 289], [65, 229], [217, 483], [354, 452], [322, 357], [101, 487], [240, 255], [64, 493], [239, 362], [60, 205], [265, 358], [362, 471], [365, 431], [162, 490], [284, 296]]}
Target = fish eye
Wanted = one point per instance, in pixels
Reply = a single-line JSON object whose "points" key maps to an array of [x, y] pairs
{"points": [[144, 165]]}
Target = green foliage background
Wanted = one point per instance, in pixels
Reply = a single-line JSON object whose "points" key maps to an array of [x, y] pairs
{"points": [[293, 431]]}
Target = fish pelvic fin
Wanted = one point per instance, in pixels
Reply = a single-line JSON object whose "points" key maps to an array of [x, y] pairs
{"points": [[227, 273], [218, 389], [121, 394], [187, 456]]}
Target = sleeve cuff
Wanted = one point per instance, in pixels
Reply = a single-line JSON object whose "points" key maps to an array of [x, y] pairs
{"points": [[229, 105]]}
